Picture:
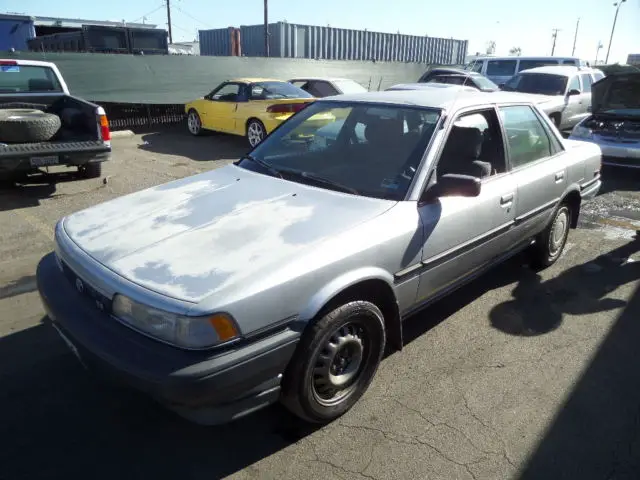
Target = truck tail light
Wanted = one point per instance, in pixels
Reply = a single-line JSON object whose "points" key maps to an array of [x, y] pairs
{"points": [[287, 107], [105, 133]]}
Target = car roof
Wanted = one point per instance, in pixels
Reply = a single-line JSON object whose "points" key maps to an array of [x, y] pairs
{"points": [[565, 70], [429, 86], [326, 79], [255, 80], [444, 98], [34, 63]]}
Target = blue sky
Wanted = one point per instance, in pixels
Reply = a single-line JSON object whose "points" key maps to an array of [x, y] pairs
{"points": [[509, 23]]}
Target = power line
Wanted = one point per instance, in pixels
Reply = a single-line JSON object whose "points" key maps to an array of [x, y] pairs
{"points": [[147, 14], [192, 17]]}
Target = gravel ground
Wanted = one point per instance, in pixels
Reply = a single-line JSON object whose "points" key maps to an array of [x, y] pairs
{"points": [[517, 375]]}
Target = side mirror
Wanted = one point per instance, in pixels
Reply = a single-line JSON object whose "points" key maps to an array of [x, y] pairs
{"points": [[455, 185], [574, 91]]}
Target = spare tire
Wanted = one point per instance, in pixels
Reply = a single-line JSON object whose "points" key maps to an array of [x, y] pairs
{"points": [[24, 125]]}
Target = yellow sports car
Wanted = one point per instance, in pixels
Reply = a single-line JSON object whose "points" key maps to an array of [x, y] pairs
{"points": [[250, 107]]}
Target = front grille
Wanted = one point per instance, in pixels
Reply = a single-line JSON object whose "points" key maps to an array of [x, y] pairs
{"points": [[85, 289]]}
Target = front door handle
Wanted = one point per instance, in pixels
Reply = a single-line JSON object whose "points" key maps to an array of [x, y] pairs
{"points": [[506, 199], [559, 177]]}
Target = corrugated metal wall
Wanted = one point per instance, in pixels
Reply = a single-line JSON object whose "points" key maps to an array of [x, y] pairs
{"points": [[216, 42], [15, 31], [290, 40]]}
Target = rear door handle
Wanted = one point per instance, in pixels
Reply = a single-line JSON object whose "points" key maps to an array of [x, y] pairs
{"points": [[506, 199], [559, 177]]}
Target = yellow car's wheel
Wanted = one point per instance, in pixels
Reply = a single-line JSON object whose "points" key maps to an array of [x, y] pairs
{"points": [[255, 132], [194, 124]]}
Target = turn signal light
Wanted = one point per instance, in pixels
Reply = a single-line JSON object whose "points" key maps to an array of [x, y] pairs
{"points": [[104, 128], [224, 327]]}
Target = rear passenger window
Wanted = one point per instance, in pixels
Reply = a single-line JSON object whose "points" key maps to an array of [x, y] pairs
{"points": [[526, 137], [586, 82], [321, 89], [501, 68], [527, 64]]}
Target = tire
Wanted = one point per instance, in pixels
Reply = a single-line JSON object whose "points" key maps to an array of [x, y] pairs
{"points": [[351, 338], [25, 125], [90, 170], [255, 132], [194, 123], [550, 242]]}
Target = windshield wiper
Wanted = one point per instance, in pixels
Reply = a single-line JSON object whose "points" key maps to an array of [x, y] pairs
{"points": [[321, 180], [267, 166]]}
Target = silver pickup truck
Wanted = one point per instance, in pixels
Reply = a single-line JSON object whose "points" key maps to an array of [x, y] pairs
{"points": [[43, 125], [284, 275]]}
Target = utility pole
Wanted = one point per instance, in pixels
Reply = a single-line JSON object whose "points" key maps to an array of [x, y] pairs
{"points": [[555, 36], [618, 5], [575, 38], [266, 28], [597, 52], [169, 20]]}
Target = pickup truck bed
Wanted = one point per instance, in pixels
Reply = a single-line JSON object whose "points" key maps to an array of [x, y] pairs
{"points": [[79, 135]]}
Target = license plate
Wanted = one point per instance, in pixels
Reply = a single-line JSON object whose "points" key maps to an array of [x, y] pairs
{"points": [[70, 344], [44, 161]]}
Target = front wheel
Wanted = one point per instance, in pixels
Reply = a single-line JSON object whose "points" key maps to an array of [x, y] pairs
{"points": [[194, 123], [550, 243], [255, 132], [335, 362]]}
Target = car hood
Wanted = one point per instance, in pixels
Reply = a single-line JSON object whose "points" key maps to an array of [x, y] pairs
{"points": [[618, 91], [193, 237]]}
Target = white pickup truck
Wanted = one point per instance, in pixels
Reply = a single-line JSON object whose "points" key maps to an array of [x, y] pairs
{"points": [[42, 124]]}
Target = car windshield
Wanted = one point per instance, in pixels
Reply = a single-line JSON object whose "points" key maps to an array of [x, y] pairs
{"points": [[357, 148], [273, 90], [541, 83], [349, 86], [28, 79]]}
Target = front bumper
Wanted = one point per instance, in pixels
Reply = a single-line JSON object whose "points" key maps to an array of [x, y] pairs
{"points": [[617, 154], [205, 386]]}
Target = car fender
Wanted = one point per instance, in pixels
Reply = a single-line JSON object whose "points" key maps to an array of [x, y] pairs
{"points": [[339, 284]]}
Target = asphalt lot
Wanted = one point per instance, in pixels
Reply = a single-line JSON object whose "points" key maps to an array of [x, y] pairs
{"points": [[518, 375]]}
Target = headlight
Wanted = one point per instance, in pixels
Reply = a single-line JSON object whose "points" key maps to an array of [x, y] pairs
{"points": [[179, 330], [581, 132]]}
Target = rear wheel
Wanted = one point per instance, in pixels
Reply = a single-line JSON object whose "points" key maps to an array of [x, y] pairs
{"points": [[90, 170], [255, 132], [550, 243], [335, 362]]}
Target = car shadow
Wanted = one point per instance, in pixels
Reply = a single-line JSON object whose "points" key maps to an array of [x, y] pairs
{"points": [[538, 307], [595, 434], [28, 190], [80, 426], [175, 140], [619, 179]]}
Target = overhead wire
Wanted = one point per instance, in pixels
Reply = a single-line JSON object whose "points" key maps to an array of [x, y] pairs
{"points": [[150, 13]]}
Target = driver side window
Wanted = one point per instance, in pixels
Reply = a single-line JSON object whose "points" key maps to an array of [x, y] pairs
{"points": [[227, 93], [474, 146]]}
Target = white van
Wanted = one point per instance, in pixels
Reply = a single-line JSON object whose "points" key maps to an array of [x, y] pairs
{"points": [[501, 69]]}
